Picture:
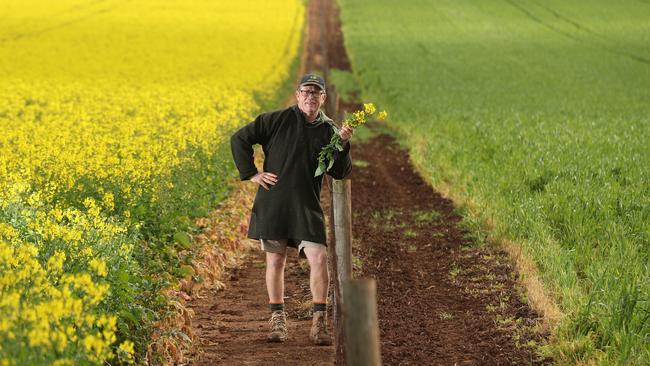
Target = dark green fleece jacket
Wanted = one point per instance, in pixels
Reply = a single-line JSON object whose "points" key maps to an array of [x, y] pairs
{"points": [[290, 209]]}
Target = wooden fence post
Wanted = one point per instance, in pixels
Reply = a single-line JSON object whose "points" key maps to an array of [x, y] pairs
{"points": [[340, 251], [360, 317], [342, 218]]}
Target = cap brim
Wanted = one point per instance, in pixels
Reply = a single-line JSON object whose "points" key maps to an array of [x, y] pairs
{"points": [[313, 83]]}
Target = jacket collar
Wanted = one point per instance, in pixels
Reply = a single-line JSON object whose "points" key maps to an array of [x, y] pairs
{"points": [[322, 117]]}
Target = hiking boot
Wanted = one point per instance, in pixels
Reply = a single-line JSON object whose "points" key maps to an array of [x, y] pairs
{"points": [[278, 324], [318, 332]]}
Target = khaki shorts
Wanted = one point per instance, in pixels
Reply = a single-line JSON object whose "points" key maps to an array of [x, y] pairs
{"points": [[280, 246]]}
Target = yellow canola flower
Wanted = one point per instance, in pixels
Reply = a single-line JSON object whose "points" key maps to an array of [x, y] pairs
{"points": [[358, 118], [7, 231], [94, 345], [99, 266], [6, 254], [125, 351], [55, 263], [127, 347], [109, 201], [369, 108], [63, 362], [125, 249], [57, 213]]}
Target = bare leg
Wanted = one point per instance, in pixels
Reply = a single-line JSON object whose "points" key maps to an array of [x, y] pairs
{"points": [[318, 277], [275, 276]]}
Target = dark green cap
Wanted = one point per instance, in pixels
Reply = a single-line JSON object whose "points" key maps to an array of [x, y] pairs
{"points": [[311, 79]]}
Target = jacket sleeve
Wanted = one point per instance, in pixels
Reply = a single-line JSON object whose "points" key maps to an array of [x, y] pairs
{"points": [[342, 164], [241, 145]]}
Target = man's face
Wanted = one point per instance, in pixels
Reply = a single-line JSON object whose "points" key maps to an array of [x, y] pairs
{"points": [[310, 99]]}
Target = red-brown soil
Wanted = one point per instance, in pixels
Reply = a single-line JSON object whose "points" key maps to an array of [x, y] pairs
{"points": [[232, 324], [442, 300]]}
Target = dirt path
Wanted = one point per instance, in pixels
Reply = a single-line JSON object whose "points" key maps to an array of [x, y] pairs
{"points": [[442, 300], [232, 324]]}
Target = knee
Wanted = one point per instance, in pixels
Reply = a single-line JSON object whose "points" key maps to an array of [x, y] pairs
{"points": [[319, 259], [275, 261]]}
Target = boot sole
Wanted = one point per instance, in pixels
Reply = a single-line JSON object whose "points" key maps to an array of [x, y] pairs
{"points": [[276, 339], [322, 342]]}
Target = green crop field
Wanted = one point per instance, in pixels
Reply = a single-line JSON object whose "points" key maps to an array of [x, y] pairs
{"points": [[538, 114]]}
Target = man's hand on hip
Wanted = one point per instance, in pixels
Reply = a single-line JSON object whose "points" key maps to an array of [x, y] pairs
{"points": [[265, 179]]}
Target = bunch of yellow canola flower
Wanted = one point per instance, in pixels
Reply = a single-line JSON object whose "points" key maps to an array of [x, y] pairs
{"points": [[356, 119], [101, 105], [47, 302]]}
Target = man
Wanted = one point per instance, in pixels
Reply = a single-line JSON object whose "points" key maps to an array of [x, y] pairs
{"points": [[287, 209]]}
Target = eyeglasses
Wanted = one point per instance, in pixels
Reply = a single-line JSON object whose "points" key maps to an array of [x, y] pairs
{"points": [[313, 93]]}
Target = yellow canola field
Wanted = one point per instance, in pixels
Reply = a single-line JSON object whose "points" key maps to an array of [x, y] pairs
{"points": [[109, 97]]}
